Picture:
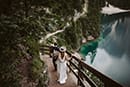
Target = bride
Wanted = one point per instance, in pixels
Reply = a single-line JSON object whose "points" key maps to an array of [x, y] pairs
{"points": [[62, 65]]}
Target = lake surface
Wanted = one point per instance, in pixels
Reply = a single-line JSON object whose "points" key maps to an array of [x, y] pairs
{"points": [[112, 56]]}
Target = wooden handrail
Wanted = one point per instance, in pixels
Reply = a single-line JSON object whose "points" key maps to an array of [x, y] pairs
{"points": [[100, 75], [79, 79], [108, 82], [84, 75]]}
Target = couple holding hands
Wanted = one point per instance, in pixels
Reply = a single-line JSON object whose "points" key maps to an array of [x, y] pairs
{"points": [[60, 59]]}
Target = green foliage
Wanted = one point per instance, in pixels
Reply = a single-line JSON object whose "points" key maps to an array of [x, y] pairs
{"points": [[83, 27], [94, 78], [9, 52], [37, 68], [39, 72], [72, 36], [19, 35], [61, 12], [93, 17], [24, 22]]}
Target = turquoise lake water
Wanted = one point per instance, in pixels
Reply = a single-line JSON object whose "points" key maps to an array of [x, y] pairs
{"points": [[111, 52]]}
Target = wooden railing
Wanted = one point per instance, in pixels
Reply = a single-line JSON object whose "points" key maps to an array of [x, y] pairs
{"points": [[45, 49], [85, 73]]}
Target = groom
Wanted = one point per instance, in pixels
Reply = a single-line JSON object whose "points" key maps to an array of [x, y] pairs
{"points": [[55, 55]]}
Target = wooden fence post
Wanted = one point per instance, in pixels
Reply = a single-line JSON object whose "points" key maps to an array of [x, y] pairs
{"points": [[79, 73]]}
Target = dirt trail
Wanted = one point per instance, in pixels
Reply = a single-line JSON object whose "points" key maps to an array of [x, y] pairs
{"points": [[71, 81]]}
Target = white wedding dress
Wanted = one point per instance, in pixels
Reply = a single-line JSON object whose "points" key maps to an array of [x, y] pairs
{"points": [[62, 69]]}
